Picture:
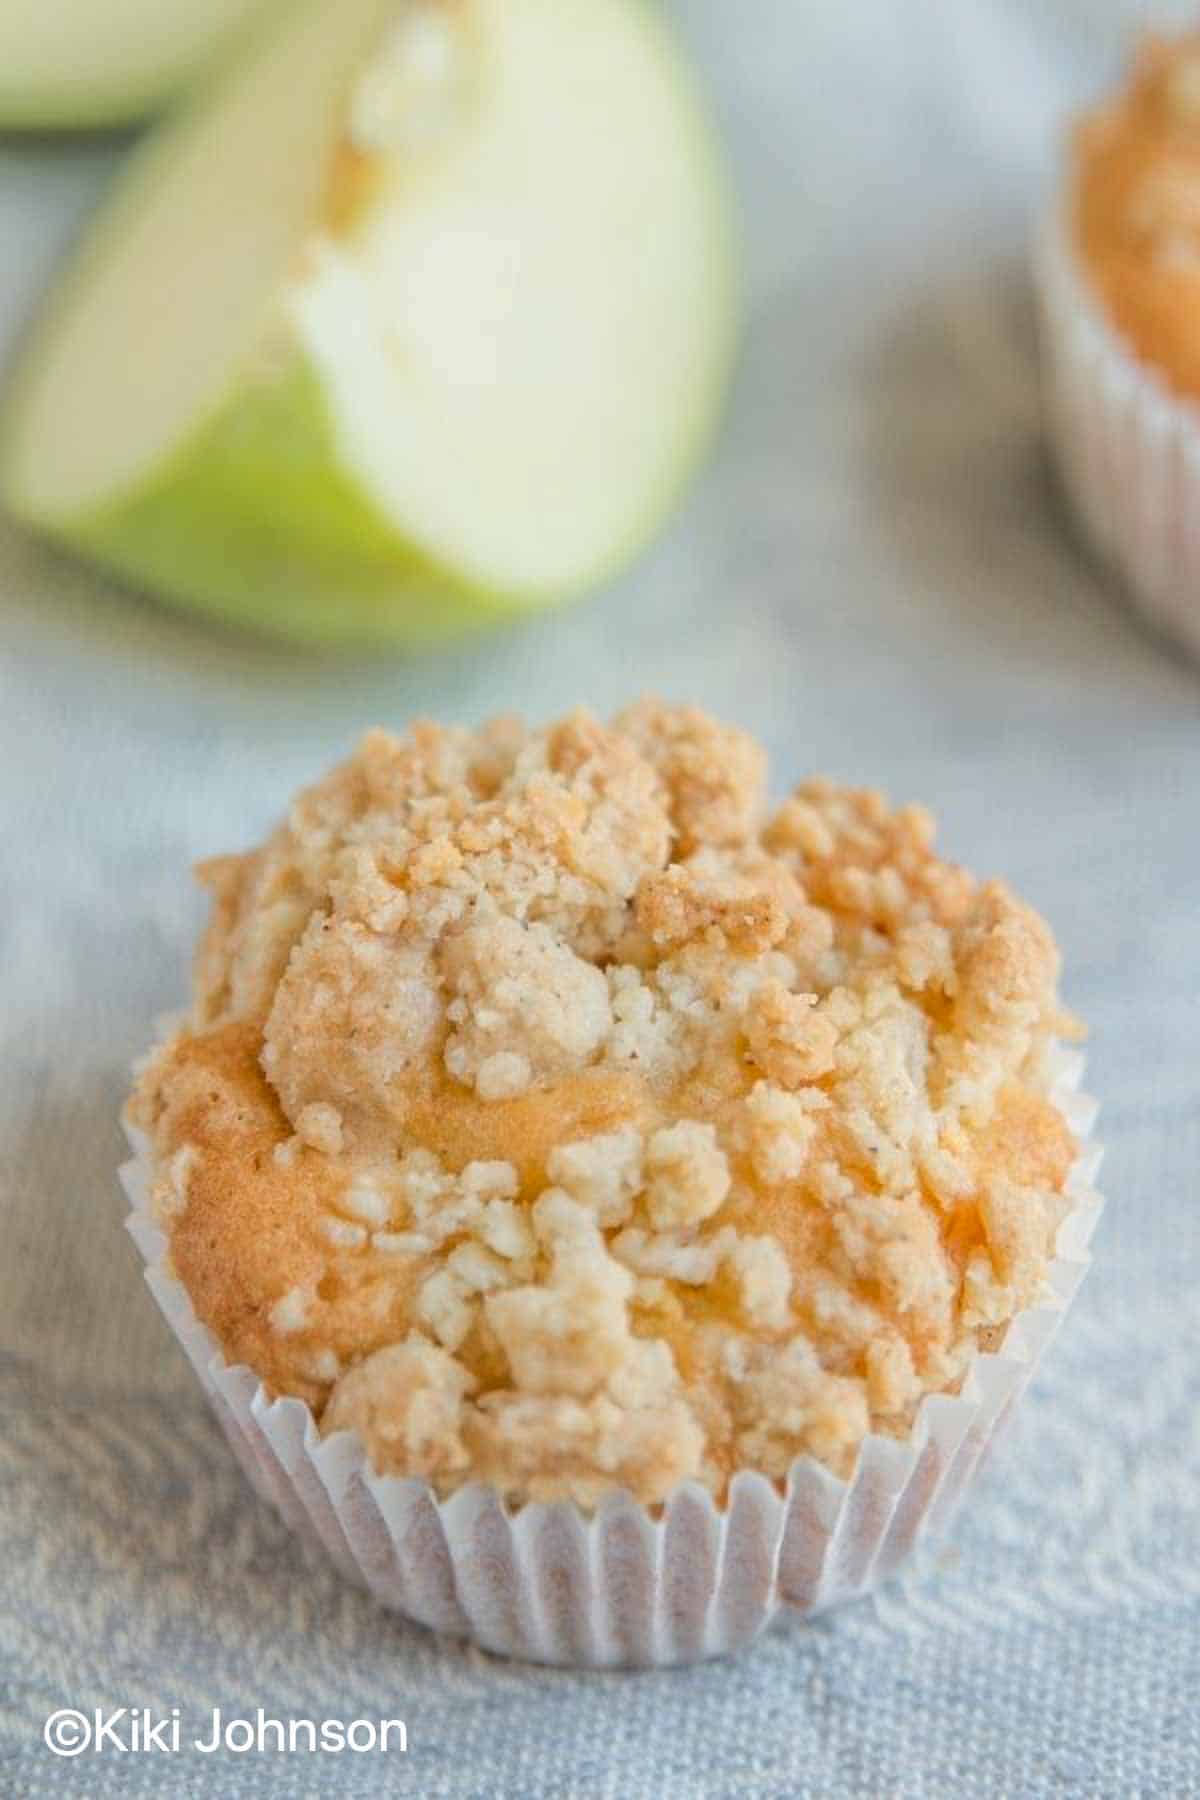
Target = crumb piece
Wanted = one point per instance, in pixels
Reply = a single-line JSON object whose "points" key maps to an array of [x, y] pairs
{"points": [[367, 1201], [790, 1040], [320, 1127], [423, 1182], [504, 1228], [343, 1234], [402, 1243], [892, 1381], [652, 1292], [555, 1447], [603, 1173], [501, 1076], [568, 1336], [646, 1375], [986, 1300], [687, 1175], [1007, 963], [485, 1181], [715, 775], [407, 1402], [780, 1130], [290, 1313], [786, 1404], [171, 1194], [1016, 1223], [674, 1255], [366, 888], [324, 1366], [477, 1270], [526, 1007], [445, 1306], [925, 958], [354, 1013], [764, 1280], [675, 908]]}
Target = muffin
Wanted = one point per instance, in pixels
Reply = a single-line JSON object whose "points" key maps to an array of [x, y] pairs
{"points": [[562, 1141], [1119, 279]]}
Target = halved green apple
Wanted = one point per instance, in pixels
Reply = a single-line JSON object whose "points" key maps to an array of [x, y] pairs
{"points": [[419, 318], [80, 64]]}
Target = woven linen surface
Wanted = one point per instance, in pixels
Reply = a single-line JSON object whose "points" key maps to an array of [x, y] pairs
{"points": [[875, 575]]}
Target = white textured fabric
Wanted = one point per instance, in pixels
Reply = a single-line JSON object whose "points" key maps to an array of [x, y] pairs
{"points": [[874, 575]]}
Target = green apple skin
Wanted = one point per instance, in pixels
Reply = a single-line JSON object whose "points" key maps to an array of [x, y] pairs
{"points": [[34, 111], [255, 523]]}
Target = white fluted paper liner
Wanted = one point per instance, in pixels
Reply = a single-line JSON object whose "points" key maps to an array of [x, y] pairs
{"points": [[623, 1587], [1127, 450]]}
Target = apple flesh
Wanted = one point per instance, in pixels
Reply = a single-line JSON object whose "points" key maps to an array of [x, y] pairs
{"points": [[83, 64], [419, 319]]}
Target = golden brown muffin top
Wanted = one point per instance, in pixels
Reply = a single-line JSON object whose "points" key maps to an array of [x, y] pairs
{"points": [[1137, 208], [561, 1117]]}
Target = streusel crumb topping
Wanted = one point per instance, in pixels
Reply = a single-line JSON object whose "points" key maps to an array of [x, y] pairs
{"points": [[561, 1117]]}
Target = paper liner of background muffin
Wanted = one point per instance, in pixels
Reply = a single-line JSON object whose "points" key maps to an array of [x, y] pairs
{"points": [[1127, 449], [627, 1585]]}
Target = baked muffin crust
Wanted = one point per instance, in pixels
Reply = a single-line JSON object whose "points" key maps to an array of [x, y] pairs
{"points": [[1137, 208], [561, 1117]]}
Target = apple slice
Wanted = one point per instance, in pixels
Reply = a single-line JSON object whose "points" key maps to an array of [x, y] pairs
{"points": [[419, 318], [78, 64]]}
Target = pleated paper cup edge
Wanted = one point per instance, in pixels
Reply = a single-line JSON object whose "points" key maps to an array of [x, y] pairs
{"points": [[868, 1523]]}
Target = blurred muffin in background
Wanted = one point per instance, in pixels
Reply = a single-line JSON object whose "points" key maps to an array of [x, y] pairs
{"points": [[1119, 283]]}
